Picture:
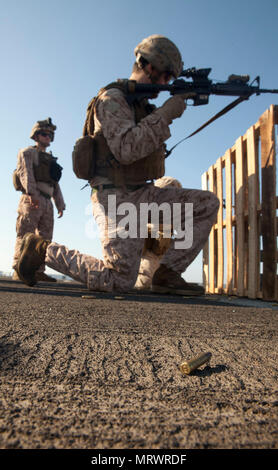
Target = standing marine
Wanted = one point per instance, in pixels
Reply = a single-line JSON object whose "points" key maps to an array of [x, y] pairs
{"points": [[37, 176], [129, 137]]}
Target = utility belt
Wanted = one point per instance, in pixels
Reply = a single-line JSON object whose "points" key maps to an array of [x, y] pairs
{"points": [[45, 195], [129, 187]]}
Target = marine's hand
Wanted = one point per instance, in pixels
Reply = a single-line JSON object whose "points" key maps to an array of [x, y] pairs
{"points": [[60, 214], [172, 108]]}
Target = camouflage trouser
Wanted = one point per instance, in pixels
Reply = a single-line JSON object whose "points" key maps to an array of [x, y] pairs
{"points": [[39, 221], [151, 256], [121, 257]]}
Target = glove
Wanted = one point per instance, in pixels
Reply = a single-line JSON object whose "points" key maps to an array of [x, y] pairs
{"points": [[172, 108]]}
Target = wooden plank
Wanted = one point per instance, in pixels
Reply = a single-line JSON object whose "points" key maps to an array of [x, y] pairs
{"points": [[239, 212], [206, 247], [234, 232], [220, 244], [253, 199], [275, 113], [246, 213], [262, 255], [258, 210], [257, 131], [229, 234], [268, 225], [211, 239]]}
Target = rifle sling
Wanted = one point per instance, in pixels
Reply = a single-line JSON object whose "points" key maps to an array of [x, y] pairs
{"points": [[216, 116]]}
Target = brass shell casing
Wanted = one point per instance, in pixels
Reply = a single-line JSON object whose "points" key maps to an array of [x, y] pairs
{"points": [[188, 366]]}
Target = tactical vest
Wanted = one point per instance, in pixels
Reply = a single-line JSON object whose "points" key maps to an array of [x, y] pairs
{"points": [[106, 165], [48, 170]]}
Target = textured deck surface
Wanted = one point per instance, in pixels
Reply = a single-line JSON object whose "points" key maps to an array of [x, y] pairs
{"points": [[103, 372]]}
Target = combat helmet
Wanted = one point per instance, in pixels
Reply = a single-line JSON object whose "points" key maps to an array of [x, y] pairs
{"points": [[45, 125], [160, 52]]}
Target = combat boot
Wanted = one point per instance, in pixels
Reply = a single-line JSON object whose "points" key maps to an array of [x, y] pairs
{"points": [[43, 277], [167, 281], [32, 256]]}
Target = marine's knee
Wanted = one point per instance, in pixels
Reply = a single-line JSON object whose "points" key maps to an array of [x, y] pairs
{"points": [[24, 224], [213, 200], [167, 181], [216, 201]]}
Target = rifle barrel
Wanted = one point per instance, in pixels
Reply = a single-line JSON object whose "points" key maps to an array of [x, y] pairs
{"points": [[263, 90]]}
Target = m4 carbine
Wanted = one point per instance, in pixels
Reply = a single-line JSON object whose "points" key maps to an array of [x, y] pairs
{"points": [[202, 86]]}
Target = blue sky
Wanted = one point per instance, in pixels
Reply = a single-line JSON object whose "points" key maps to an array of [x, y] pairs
{"points": [[56, 55]]}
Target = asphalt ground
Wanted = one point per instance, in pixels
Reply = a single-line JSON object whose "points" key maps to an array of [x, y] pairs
{"points": [[103, 372]]}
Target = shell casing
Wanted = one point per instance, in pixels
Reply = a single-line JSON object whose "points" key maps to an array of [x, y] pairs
{"points": [[188, 366]]}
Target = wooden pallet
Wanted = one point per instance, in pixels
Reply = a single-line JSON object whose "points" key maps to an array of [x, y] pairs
{"points": [[240, 257]]}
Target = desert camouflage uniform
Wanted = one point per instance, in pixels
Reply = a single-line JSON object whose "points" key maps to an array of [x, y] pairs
{"points": [[36, 220], [129, 142], [151, 257]]}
